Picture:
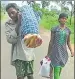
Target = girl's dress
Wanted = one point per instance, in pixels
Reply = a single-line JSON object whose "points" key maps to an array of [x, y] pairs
{"points": [[59, 54]]}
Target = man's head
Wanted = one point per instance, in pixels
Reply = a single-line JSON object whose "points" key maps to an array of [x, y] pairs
{"points": [[63, 18], [12, 10]]}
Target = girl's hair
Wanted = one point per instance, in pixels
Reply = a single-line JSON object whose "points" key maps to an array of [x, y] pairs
{"points": [[63, 15], [12, 5]]}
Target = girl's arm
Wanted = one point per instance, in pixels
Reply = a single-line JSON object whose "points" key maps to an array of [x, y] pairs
{"points": [[69, 46]]}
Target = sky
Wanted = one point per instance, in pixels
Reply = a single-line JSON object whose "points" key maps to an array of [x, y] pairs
{"points": [[19, 3]]}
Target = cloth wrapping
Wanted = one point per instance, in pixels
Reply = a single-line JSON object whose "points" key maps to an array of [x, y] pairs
{"points": [[29, 23]]}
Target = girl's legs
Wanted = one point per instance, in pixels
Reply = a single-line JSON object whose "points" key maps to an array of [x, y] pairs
{"points": [[57, 72], [60, 70]]}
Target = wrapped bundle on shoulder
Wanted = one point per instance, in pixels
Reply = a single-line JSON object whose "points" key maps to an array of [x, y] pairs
{"points": [[29, 27]]}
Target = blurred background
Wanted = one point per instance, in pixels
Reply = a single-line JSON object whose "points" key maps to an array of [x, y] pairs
{"points": [[50, 11]]}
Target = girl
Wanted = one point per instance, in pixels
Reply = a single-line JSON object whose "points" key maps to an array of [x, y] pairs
{"points": [[57, 50]]}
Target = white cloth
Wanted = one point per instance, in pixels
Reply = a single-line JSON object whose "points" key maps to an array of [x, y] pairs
{"points": [[29, 52]]}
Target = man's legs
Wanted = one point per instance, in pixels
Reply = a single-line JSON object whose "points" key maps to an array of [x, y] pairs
{"points": [[24, 68], [19, 66], [30, 77], [20, 77]]}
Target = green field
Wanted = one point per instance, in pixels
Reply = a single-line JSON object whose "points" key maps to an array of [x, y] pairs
{"points": [[3, 16]]}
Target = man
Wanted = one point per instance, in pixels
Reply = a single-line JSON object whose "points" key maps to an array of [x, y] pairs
{"points": [[19, 57]]}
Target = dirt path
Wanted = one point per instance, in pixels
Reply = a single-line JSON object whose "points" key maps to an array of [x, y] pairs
{"points": [[8, 71]]}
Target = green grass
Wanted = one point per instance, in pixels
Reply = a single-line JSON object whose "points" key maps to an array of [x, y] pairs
{"points": [[47, 22], [72, 38], [3, 16]]}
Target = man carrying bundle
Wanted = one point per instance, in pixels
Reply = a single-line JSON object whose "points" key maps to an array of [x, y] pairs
{"points": [[16, 32]]}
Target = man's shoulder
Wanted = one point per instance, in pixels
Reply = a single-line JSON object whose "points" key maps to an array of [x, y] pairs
{"points": [[9, 21]]}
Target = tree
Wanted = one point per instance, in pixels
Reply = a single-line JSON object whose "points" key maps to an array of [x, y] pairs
{"points": [[45, 3], [3, 8], [72, 10]]}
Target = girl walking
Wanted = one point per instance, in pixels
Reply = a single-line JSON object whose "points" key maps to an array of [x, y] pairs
{"points": [[57, 50]]}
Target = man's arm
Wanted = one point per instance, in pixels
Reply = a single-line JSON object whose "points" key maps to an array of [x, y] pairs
{"points": [[18, 23], [11, 34]]}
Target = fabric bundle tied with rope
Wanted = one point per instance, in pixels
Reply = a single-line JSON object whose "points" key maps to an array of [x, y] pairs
{"points": [[29, 27]]}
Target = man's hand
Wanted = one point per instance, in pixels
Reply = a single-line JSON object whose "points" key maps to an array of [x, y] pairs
{"points": [[19, 19], [72, 54], [18, 23]]}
